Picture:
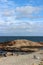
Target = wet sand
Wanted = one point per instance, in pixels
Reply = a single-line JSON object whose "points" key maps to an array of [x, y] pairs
{"points": [[27, 59]]}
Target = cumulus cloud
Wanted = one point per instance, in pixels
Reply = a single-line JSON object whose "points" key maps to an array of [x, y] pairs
{"points": [[28, 11]]}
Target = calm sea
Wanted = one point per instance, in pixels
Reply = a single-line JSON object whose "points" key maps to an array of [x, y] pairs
{"points": [[32, 38]]}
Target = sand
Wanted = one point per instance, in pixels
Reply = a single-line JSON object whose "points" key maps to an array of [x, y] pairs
{"points": [[27, 59]]}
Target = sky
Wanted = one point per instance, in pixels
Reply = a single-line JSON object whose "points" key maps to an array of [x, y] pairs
{"points": [[21, 17]]}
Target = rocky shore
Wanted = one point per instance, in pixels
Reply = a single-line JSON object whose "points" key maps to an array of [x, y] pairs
{"points": [[21, 45]]}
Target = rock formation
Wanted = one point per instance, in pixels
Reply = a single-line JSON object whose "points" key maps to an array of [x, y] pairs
{"points": [[21, 45]]}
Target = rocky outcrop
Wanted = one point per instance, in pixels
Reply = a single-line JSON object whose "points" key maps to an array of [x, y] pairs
{"points": [[21, 45]]}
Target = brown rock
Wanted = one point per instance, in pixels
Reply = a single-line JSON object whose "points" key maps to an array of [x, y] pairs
{"points": [[21, 45]]}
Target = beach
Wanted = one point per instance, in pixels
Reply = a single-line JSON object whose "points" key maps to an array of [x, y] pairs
{"points": [[27, 59]]}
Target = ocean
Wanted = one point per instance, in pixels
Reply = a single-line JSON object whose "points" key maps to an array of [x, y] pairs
{"points": [[32, 38]]}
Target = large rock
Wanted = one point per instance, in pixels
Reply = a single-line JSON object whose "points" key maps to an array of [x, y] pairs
{"points": [[9, 54]]}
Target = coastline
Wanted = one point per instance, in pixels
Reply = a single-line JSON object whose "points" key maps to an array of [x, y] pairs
{"points": [[23, 51]]}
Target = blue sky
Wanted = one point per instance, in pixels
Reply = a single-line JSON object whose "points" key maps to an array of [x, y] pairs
{"points": [[21, 17]]}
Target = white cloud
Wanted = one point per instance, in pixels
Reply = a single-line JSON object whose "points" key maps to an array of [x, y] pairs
{"points": [[28, 11], [9, 22], [29, 26]]}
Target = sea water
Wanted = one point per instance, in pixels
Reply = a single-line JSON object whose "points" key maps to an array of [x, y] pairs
{"points": [[32, 38]]}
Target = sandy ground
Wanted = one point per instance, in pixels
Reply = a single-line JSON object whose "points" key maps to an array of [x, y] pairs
{"points": [[21, 59]]}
